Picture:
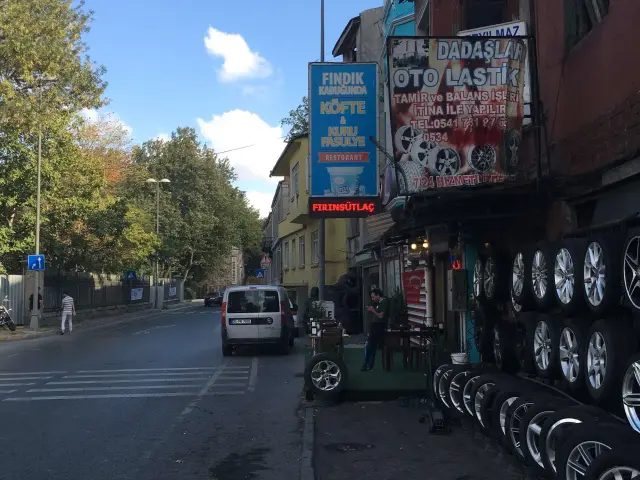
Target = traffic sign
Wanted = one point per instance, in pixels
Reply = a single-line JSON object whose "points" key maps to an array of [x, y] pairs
{"points": [[265, 260], [130, 275], [35, 262], [260, 273]]}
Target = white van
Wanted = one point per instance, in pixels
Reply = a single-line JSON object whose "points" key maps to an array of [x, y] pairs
{"points": [[257, 315]]}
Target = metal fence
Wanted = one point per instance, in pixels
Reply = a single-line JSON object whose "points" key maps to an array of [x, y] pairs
{"points": [[12, 287]]}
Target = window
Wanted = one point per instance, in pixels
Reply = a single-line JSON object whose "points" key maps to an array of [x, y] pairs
{"points": [[303, 253], [482, 13], [285, 256], [253, 301], [581, 16], [314, 247], [307, 177], [293, 253], [294, 181]]}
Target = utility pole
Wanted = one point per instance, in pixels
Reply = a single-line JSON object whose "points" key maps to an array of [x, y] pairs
{"points": [[321, 229], [35, 306], [158, 182]]}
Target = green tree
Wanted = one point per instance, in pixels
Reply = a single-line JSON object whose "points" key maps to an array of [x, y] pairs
{"points": [[298, 120]]}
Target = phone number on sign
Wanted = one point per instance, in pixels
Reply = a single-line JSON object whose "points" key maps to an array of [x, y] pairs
{"points": [[462, 123]]}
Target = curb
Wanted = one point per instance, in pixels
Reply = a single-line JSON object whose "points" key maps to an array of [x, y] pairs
{"points": [[308, 440]]}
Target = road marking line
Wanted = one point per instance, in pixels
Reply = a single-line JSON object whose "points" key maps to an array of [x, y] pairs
{"points": [[157, 327], [141, 380], [148, 374], [10, 379], [115, 395], [253, 376], [233, 377], [6, 374], [189, 408], [7, 391], [95, 389], [16, 384], [157, 369]]}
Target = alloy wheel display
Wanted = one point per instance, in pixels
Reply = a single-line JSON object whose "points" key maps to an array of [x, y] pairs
{"points": [[539, 274], [631, 271], [478, 281], [514, 423], [564, 275], [533, 436], [581, 457], [326, 375], [466, 395], [489, 278], [596, 370], [569, 355], [542, 345], [517, 274], [477, 402], [631, 393], [594, 274]]}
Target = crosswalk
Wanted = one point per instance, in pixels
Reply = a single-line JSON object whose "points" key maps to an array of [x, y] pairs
{"points": [[227, 379]]}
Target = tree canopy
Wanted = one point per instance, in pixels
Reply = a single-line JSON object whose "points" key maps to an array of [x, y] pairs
{"points": [[298, 120]]}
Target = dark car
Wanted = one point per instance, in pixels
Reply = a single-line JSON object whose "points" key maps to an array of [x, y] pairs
{"points": [[213, 298]]}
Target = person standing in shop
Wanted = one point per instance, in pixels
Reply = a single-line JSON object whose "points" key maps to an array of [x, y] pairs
{"points": [[380, 318]]}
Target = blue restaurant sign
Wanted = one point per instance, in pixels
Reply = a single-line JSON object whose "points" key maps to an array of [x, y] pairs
{"points": [[343, 115]]}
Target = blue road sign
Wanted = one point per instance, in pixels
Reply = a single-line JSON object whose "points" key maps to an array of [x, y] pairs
{"points": [[130, 275], [260, 273], [35, 262]]}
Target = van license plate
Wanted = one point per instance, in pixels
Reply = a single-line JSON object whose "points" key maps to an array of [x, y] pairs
{"points": [[241, 321]]}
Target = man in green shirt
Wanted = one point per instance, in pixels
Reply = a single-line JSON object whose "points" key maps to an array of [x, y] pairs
{"points": [[380, 313]]}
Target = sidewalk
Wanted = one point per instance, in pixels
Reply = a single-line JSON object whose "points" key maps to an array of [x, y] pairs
{"points": [[24, 333], [385, 441]]}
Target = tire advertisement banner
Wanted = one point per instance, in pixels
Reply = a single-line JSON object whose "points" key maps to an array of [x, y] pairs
{"points": [[456, 107], [343, 114]]}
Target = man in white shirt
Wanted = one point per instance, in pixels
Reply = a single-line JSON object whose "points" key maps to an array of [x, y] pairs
{"points": [[68, 311]]}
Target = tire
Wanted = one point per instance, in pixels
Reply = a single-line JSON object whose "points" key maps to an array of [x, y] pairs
{"points": [[631, 386], [444, 386], [590, 440], [478, 391], [542, 277], [631, 262], [604, 384], [524, 348], [326, 376], [501, 403], [569, 276], [485, 415], [467, 399], [227, 350], [504, 353], [478, 280], [520, 278], [456, 387], [544, 342], [436, 377], [572, 348], [495, 278], [616, 464], [11, 325], [602, 300], [513, 419], [558, 425], [531, 426]]}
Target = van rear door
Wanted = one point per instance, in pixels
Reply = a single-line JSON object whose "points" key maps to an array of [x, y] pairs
{"points": [[244, 314], [271, 325]]}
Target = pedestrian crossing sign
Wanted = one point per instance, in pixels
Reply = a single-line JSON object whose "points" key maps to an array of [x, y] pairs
{"points": [[260, 273]]}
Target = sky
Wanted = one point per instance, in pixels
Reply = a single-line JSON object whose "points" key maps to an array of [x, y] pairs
{"points": [[231, 70]]}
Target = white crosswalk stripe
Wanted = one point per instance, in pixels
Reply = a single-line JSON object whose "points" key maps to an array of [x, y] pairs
{"points": [[123, 383]]}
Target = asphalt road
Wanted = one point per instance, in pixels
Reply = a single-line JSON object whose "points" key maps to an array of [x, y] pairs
{"points": [[149, 399]]}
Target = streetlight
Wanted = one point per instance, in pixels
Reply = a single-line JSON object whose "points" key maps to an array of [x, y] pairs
{"points": [[35, 312], [158, 182]]}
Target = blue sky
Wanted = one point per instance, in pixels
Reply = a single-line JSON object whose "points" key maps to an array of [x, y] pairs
{"points": [[231, 70]]}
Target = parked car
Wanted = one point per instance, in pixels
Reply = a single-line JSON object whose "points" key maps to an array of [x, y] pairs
{"points": [[213, 298], [257, 315]]}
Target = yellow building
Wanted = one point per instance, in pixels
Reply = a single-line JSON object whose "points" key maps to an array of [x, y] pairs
{"points": [[298, 233]]}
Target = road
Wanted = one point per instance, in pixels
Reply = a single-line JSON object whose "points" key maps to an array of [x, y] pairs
{"points": [[149, 399]]}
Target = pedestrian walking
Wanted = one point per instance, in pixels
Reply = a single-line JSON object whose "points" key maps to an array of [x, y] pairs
{"points": [[380, 312], [40, 303], [68, 311]]}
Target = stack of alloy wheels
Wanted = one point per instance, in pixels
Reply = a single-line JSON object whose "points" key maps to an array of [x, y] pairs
{"points": [[574, 316], [549, 433]]}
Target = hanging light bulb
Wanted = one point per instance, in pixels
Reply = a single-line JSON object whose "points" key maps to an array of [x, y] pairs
{"points": [[414, 246], [425, 244]]}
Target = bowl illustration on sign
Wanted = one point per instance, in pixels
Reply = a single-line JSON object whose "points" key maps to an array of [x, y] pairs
{"points": [[345, 181]]}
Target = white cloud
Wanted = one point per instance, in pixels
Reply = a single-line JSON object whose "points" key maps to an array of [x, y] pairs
{"points": [[261, 201], [239, 60], [165, 137], [238, 128], [92, 116]]}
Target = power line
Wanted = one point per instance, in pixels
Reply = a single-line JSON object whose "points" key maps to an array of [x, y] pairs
{"points": [[247, 146]]}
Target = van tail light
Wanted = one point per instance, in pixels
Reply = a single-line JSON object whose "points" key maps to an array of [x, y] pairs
{"points": [[223, 314], [283, 308]]}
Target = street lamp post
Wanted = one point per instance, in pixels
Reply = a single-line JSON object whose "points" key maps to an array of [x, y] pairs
{"points": [[158, 182]]}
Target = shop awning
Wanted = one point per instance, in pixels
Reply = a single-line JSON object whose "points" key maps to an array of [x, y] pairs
{"points": [[379, 225]]}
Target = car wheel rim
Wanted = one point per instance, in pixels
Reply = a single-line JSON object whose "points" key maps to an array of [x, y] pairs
{"points": [[477, 402], [539, 274], [620, 473], [569, 355], [631, 272], [542, 345], [553, 435], [326, 375], [514, 425], [442, 391], [489, 278], [631, 395], [517, 275], [496, 347], [594, 274], [564, 276], [503, 413], [477, 279], [436, 378], [466, 395], [581, 457], [454, 390], [533, 436], [596, 360]]}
